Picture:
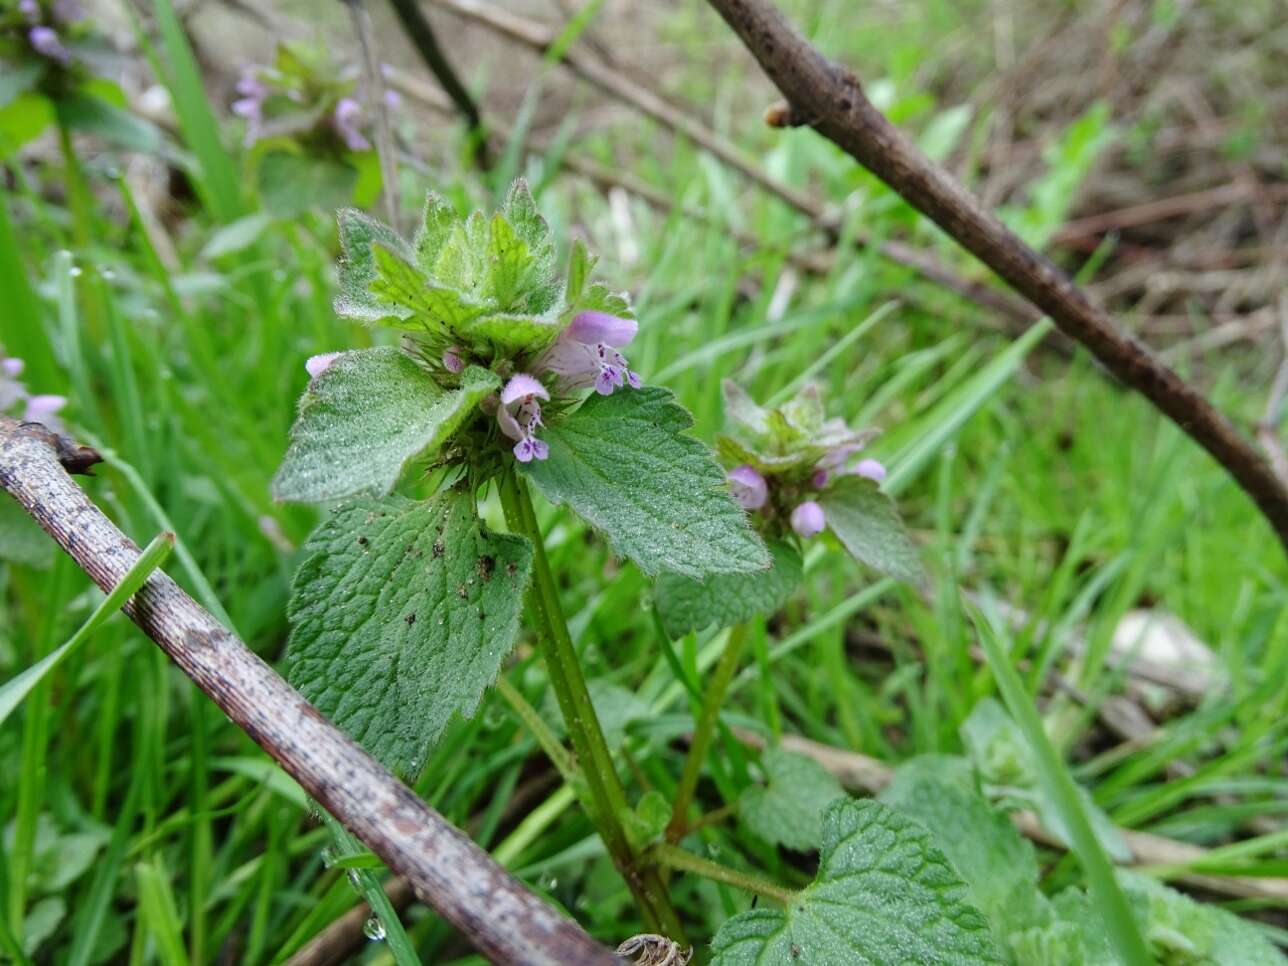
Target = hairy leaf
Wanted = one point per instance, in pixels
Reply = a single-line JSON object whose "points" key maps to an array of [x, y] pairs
{"points": [[359, 234], [421, 303], [998, 865], [401, 615], [511, 332], [364, 418], [685, 604], [789, 810], [625, 465], [436, 224], [883, 894], [580, 264], [866, 522]]}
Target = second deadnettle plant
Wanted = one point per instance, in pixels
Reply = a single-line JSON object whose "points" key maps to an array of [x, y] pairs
{"points": [[403, 610]]}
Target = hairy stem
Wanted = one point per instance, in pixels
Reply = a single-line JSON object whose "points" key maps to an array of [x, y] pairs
{"points": [[677, 858], [704, 730], [608, 796]]}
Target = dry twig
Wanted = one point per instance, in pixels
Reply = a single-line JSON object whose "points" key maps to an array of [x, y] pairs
{"points": [[491, 908], [831, 100]]}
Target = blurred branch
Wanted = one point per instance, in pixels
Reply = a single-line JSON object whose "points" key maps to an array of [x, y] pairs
{"points": [[361, 19], [421, 34], [613, 82], [829, 99], [868, 776], [491, 908]]}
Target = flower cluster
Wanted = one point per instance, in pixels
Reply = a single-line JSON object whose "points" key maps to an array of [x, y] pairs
{"points": [[465, 293], [17, 401], [45, 27], [301, 96], [785, 456]]}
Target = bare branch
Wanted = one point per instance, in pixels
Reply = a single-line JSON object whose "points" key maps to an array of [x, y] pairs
{"points": [[491, 908], [833, 100]]}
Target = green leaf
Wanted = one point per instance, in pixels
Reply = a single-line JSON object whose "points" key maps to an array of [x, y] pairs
{"points": [[1005, 761], [866, 522], [93, 115], [884, 894], [291, 183], [998, 865], [23, 119], [513, 332], [365, 418], [237, 235], [401, 616], [17, 80], [601, 299], [508, 262], [462, 262], [21, 540], [435, 228], [522, 214], [359, 234], [789, 809], [685, 604], [647, 821], [580, 264], [433, 307], [623, 463]]}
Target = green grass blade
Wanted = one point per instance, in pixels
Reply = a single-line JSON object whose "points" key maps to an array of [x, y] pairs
{"points": [[1109, 899], [17, 688]]}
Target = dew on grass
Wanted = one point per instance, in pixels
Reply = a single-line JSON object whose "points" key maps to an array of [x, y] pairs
{"points": [[374, 928]]}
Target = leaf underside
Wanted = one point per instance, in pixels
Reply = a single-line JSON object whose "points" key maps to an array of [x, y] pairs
{"points": [[883, 895], [624, 464], [866, 522], [401, 616], [685, 604]]}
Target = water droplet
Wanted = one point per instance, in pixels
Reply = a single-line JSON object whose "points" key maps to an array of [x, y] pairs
{"points": [[328, 856], [75, 271], [374, 929], [107, 274], [355, 880]]}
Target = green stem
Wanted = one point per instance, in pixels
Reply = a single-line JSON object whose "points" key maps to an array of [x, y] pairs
{"points": [[546, 738], [705, 729], [677, 858], [607, 795]]}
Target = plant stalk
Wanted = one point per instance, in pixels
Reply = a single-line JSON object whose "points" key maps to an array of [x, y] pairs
{"points": [[705, 729], [675, 857], [607, 795]]}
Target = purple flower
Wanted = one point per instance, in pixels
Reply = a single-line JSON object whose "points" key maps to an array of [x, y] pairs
{"points": [[44, 41], [68, 11], [870, 469], [251, 103], [749, 487], [393, 100], [808, 519], [345, 121], [318, 364], [519, 416], [452, 360], [820, 478], [585, 354], [12, 367], [43, 410], [30, 9]]}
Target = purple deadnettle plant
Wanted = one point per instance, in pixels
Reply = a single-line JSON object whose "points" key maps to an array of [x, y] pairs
{"points": [[506, 378]]}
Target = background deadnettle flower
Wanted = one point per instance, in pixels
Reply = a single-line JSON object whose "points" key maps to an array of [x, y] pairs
{"points": [[808, 519], [345, 119], [44, 409], [452, 360], [519, 416], [749, 487], [870, 469], [585, 354], [45, 41]]}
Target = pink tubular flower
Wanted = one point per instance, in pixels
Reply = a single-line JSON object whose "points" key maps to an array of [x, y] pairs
{"points": [[820, 478], [30, 9], [519, 416], [44, 410], [749, 487], [318, 364], [250, 104], [585, 354], [452, 360], [345, 121], [870, 469], [808, 520], [44, 41]]}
